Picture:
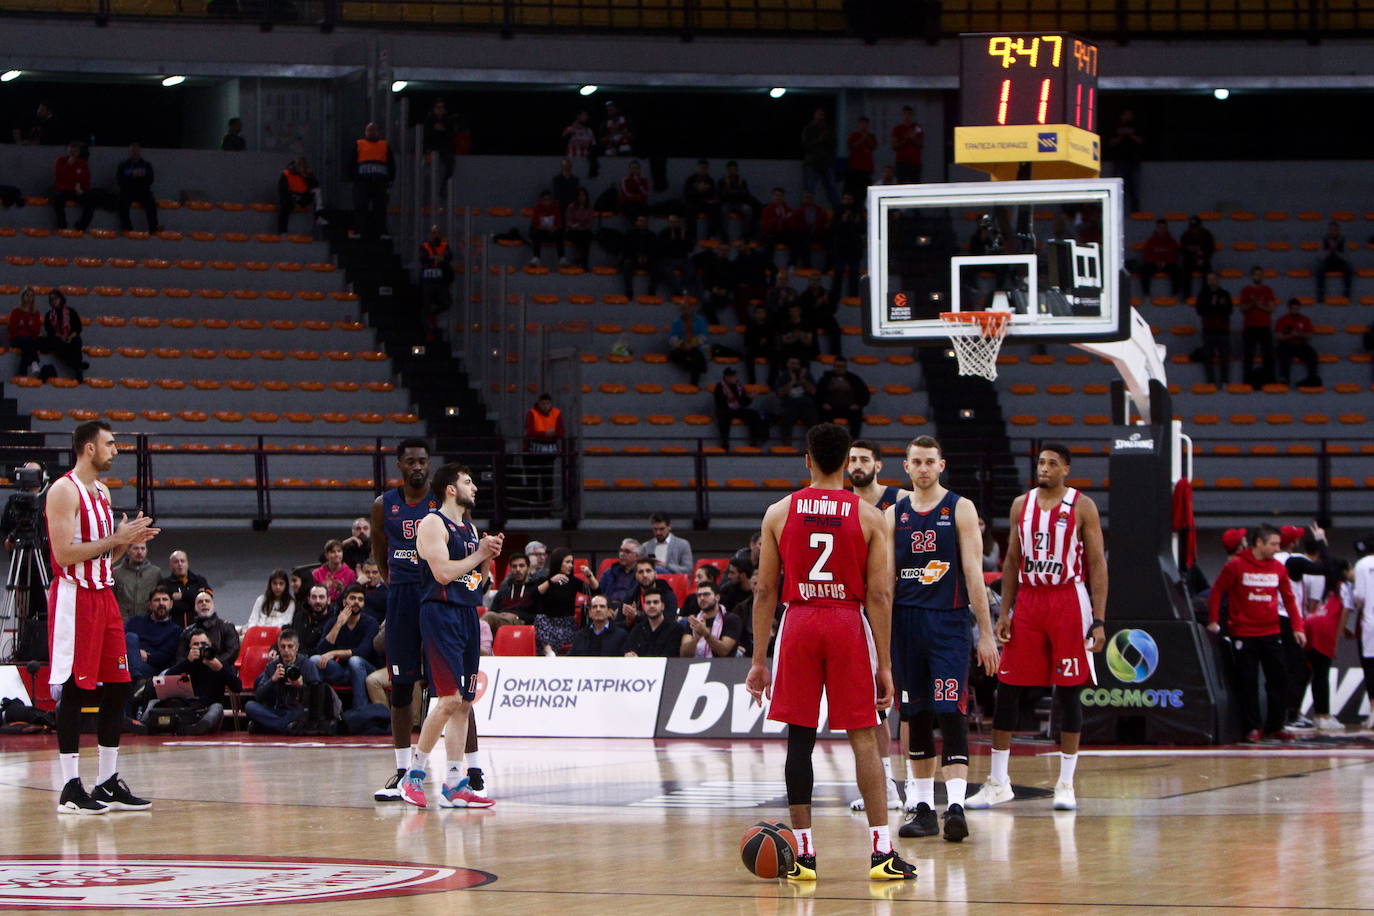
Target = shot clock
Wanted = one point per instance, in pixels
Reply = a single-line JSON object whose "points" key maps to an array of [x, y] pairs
{"points": [[1027, 78]]}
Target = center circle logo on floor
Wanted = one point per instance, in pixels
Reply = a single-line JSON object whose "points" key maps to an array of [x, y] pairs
{"points": [[154, 882], [1132, 656]]}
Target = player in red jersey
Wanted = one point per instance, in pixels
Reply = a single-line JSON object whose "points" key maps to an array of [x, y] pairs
{"points": [[1056, 539], [90, 666], [832, 552]]}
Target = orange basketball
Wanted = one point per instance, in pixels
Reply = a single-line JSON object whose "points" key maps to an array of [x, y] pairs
{"points": [[768, 849]]}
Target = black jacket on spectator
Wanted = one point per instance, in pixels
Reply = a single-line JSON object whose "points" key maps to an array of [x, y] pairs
{"points": [[224, 636], [832, 386], [357, 640], [309, 629], [1214, 307], [662, 588], [640, 244], [610, 642], [561, 600], [646, 642], [518, 598], [184, 608], [159, 640], [374, 603], [134, 178], [210, 686], [281, 695]]}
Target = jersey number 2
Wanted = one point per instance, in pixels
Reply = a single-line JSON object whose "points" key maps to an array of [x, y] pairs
{"points": [[825, 542]]}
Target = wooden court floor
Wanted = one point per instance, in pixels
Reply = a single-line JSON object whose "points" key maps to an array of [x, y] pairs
{"points": [[643, 827]]}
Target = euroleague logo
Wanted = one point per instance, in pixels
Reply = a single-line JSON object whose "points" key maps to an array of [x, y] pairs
{"points": [[48, 882], [899, 300], [481, 686]]}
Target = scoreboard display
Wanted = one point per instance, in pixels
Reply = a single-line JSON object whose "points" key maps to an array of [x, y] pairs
{"points": [[1027, 78]]}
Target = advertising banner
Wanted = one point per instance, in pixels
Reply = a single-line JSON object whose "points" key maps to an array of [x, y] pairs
{"points": [[707, 699], [568, 697]]}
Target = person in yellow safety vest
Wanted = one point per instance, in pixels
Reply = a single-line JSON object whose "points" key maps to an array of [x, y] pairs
{"points": [[436, 278], [372, 169], [298, 187], [544, 434]]}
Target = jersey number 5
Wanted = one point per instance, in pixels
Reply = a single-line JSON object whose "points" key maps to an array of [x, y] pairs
{"points": [[825, 542]]}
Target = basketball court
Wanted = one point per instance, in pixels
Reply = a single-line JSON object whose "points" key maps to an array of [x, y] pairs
{"points": [[643, 826]]}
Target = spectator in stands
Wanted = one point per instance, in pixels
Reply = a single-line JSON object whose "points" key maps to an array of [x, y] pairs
{"points": [[810, 227], [71, 181], [134, 580], [992, 551], [796, 334], [516, 601], [554, 623], [546, 227], [374, 588], [665, 548], [1161, 256], [639, 253], [1257, 305], [43, 129], [278, 705], [544, 437], [908, 146], [183, 585], [213, 677], [617, 138], [565, 185], [713, 632], [733, 403], [599, 638], [654, 635], [673, 267], [862, 145], [134, 177], [344, 653], [760, 342], [62, 337], [618, 582], [632, 194], [311, 616], [818, 155], [538, 555], [579, 221], [1294, 332], [687, 340], [849, 229], [298, 187], [334, 574], [438, 138], [1214, 309], [716, 279], [751, 551], [233, 141], [357, 547], [707, 572], [157, 634], [699, 199], [820, 310], [734, 586], [372, 168], [1333, 260], [25, 329], [1197, 247], [735, 198], [224, 636], [1125, 147], [796, 393], [436, 279], [581, 141], [775, 224], [781, 294], [840, 394], [274, 607], [888, 177]]}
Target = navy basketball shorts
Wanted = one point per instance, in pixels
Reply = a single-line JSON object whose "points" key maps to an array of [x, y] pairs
{"points": [[930, 658], [404, 658], [453, 648]]}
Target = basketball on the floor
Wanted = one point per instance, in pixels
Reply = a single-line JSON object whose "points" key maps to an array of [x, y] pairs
{"points": [[768, 849]]}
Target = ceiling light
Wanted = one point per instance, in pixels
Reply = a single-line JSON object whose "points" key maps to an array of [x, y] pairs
{"points": [[1221, 95], [587, 89], [170, 81], [777, 92], [9, 75], [398, 85]]}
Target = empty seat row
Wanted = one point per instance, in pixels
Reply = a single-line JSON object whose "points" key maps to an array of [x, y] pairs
{"points": [[120, 415], [24, 260], [204, 384], [695, 419], [166, 235]]}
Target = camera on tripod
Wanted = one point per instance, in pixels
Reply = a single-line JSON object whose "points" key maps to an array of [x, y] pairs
{"points": [[23, 508], [22, 623]]}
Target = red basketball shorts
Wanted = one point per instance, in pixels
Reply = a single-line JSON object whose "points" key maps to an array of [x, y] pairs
{"points": [[1049, 631], [824, 648], [85, 636]]}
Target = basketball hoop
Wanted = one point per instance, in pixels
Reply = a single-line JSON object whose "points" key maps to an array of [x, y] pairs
{"points": [[977, 339]]}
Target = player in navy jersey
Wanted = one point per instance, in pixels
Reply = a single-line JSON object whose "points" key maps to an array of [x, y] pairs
{"points": [[863, 468], [939, 565], [453, 575]]}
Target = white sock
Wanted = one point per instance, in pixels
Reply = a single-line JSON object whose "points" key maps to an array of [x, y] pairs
{"points": [[882, 841], [804, 845], [109, 764], [925, 790], [455, 775], [956, 789], [887, 773], [1068, 763], [419, 761], [999, 765], [402, 758], [71, 767], [414, 749], [475, 760]]}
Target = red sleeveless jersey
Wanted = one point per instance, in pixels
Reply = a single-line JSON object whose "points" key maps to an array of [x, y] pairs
{"points": [[822, 548], [1051, 545]]}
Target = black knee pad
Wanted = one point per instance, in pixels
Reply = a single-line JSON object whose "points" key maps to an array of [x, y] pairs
{"points": [[402, 694], [1008, 707], [798, 774], [920, 738], [954, 732], [1070, 708]]}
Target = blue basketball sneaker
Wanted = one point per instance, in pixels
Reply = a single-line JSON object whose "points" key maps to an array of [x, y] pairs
{"points": [[413, 788]]}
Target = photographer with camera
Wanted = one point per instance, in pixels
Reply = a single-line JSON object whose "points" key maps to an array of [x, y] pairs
{"points": [[29, 562], [212, 679], [344, 652], [223, 635], [279, 695]]}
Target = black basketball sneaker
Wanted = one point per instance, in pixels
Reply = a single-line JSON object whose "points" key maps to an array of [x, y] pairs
{"points": [[803, 868], [75, 800], [956, 825], [114, 794], [888, 866], [922, 822]]}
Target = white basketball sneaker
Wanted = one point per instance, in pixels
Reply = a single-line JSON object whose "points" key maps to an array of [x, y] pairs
{"points": [[1064, 799], [894, 801], [1328, 723], [992, 793]]}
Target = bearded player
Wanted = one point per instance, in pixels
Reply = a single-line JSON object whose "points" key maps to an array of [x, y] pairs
{"points": [[831, 550], [1050, 623]]}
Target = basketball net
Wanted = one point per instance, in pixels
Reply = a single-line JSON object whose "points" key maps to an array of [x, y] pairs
{"points": [[977, 339]]}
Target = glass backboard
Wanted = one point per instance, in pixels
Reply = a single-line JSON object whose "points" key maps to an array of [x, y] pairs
{"points": [[1048, 251]]}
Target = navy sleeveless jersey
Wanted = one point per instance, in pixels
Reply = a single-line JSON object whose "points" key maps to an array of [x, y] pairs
{"points": [[929, 574], [462, 542], [401, 520], [889, 497]]}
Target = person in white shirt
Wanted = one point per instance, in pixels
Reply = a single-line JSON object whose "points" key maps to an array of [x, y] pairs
{"points": [[1363, 603], [274, 606]]}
